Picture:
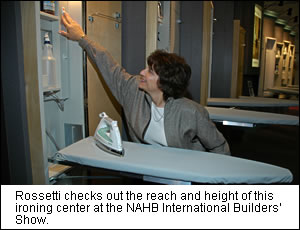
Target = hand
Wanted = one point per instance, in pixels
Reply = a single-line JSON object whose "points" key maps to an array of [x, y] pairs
{"points": [[74, 30]]}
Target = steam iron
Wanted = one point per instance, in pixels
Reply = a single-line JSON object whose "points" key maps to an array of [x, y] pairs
{"points": [[107, 136]]}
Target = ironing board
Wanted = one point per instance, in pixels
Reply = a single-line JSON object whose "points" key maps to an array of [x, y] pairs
{"points": [[249, 118], [251, 102], [278, 102], [285, 90], [177, 164]]}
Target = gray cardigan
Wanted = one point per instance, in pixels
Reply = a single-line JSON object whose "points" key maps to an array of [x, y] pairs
{"points": [[187, 124]]}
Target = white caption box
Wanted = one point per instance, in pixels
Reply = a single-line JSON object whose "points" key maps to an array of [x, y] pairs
{"points": [[150, 206]]}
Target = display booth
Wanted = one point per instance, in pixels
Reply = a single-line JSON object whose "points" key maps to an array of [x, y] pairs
{"points": [[278, 56]]}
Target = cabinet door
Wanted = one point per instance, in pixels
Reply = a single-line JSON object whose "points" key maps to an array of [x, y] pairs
{"points": [[102, 29]]}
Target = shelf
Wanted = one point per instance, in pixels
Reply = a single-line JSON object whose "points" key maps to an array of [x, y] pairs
{"points": [[49, 92], [57, 169], [48, 17]]}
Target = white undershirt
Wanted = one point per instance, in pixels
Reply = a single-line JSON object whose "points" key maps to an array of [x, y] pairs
{"points": [[155, 134]]}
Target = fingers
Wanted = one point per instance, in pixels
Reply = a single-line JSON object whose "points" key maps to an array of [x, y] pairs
{"points": [[64, 21], [74, 31], [63, 10], [67, 20], [68, 17], [63, 33]]}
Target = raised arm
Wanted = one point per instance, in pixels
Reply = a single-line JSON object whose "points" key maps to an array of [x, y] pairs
{"points": [[112, 72]]}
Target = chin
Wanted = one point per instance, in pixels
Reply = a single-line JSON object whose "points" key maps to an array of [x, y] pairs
{"points": [[141, 85]]}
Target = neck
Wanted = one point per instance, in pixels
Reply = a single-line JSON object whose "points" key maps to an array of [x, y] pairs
{"points": [[158, 100]]}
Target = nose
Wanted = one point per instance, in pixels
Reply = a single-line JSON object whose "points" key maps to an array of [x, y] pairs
{"points": [[142, 72]]}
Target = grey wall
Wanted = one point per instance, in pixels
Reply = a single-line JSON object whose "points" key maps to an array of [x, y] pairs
{"points": [[222, 49], [225, 12], [133, 42], [191, 39], [133, 36], [190, 43], [244, 11], [15, 155]]}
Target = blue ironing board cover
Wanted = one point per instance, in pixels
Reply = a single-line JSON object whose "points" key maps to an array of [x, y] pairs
{"points": [[251, 102], [177, 164], [254, 117]]}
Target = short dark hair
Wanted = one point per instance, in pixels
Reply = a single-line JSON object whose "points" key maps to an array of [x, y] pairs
{"points": [[174, 73]]}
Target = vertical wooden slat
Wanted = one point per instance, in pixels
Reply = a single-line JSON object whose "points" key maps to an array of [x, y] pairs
{"points": [[206, 51], [235, 58], [241, 62], [31, 73], [151, 28]]}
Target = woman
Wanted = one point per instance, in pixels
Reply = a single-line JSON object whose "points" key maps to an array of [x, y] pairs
{"points": [[155, 109]]}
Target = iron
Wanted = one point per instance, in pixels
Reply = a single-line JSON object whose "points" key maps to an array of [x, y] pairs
{"points": [[107, 136]]}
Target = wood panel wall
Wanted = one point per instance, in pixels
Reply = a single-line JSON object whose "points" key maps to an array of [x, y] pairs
{"points": [[105, 32]]}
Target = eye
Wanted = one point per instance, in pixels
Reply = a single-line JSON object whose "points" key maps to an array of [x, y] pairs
{"points": [[150, 70]]}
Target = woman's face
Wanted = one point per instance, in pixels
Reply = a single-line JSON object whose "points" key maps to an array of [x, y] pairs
{"points": [[148, 81]]}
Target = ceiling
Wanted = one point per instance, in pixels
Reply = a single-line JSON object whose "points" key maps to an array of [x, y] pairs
{"points": [[287, 10]]}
